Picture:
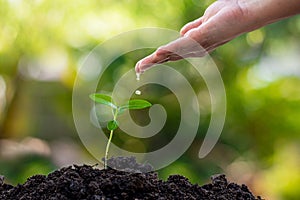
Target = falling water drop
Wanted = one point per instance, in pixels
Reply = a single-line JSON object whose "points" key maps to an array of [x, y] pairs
{"points": [[138, 76], [138, 92]]}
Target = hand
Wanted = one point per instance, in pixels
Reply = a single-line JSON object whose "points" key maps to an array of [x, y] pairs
{"points": [[221, 22]]}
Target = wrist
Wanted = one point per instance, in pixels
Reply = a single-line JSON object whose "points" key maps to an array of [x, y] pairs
{"points": [[256, 14], [259, 13]]}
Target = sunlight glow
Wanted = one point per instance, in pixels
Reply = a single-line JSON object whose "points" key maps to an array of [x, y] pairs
{"points": [[48, 67]]}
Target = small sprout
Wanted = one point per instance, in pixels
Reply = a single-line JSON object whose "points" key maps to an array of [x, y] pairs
{"points": [[112, 125]]}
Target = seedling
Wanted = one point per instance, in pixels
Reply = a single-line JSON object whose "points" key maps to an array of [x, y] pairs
{"points": [[112, 125]]}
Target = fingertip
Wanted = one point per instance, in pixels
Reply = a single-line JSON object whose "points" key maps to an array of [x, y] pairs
{"points": [[161, 55], [191, 25], [137, 67], [183, 30], [143, 64]]}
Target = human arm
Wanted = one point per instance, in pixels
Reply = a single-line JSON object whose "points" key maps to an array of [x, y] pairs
{"points": [[222, 21]]}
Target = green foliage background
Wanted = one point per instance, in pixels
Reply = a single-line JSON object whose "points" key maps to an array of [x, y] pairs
{"points": [[43, 42]]}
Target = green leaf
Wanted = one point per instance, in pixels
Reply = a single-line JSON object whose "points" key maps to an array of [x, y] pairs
{"points": [[112, 125], [103, 99], [135, 104]]}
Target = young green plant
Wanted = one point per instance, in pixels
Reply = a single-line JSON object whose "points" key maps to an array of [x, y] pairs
{"points": [[112, 125]]}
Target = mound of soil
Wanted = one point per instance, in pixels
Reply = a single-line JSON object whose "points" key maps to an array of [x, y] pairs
{"points": [[89, 183]]}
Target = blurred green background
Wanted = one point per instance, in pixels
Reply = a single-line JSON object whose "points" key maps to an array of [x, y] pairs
{"points": [[43, 42]]}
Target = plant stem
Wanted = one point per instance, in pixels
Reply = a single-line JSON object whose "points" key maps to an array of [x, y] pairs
{"points": [[115, 114], [107, 148]]}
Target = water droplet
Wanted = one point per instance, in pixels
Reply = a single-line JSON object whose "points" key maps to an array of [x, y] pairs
{"points": [[138, 76], [138, 92]]}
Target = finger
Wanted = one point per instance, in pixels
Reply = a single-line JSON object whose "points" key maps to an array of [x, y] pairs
{"points": [[175, 57], [161, 55], [150, 60], [181, 48], [190, 26], [143, 64]]}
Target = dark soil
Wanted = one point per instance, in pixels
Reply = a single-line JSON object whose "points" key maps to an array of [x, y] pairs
{"points": [[89, 183]]}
